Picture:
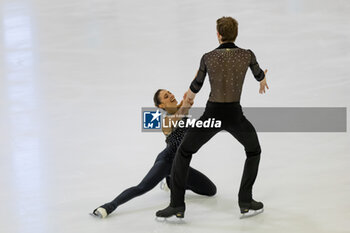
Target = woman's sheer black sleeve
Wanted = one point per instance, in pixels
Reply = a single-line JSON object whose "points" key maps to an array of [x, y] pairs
{"points": [[198, 81], [255, 68]]}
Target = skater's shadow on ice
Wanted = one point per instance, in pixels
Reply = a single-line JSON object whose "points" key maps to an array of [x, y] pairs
{"points": [[192, 201], [134, 211]]}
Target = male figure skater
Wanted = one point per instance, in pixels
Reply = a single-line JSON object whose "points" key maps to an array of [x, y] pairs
{"points": [[226, 67]]}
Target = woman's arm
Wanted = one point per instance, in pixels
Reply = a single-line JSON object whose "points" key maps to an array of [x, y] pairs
{"points": [[187, 103]]}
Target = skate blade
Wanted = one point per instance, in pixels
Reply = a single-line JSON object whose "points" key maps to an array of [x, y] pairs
{"points": [[170, 220], [94, 215], [251, 213], [176, 217]]}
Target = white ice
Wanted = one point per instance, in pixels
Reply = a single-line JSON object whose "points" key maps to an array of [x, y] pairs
{"points": [[75, 74]]}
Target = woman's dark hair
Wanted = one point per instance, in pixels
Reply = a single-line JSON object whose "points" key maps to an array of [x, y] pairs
{"points": [[156, 98]]}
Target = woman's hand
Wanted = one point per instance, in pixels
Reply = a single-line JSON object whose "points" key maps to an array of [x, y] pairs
{"points": [[263, 84]]}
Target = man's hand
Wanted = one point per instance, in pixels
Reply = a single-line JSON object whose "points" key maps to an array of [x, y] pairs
{"points": [[263, 84]]}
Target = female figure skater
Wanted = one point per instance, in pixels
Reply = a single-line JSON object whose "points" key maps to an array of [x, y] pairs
{"points": [[197, 182]]}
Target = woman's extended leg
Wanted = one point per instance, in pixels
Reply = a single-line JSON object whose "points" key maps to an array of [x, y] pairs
{"points": [[160, 169]]}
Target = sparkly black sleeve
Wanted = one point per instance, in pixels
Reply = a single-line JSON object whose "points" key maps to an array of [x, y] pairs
{"points": [[255, 68], [198, 81]]}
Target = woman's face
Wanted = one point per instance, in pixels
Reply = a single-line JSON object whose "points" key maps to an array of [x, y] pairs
{"points": [[167, 100]]}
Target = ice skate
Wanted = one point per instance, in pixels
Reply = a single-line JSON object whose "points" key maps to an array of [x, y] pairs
{"points": [[99, 212], [179, 212], [251, 209]]}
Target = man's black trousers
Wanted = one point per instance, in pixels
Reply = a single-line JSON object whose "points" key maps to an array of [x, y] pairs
{"points": [[233, 121]]}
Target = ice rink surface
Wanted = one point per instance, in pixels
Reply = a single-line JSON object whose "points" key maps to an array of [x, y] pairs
{"points": [[75, 74]]}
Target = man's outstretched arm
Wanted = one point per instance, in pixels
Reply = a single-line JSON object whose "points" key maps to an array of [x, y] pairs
{"points": [[190, 95], [195, 86], [198, 80], [263, 84], [258, 73]]}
